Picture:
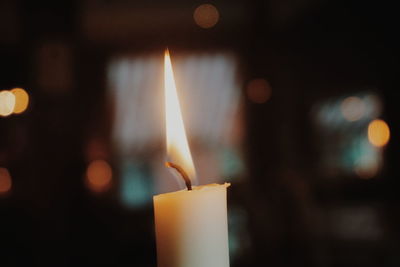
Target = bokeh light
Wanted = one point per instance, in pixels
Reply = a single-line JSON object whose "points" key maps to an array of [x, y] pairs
{"points": [[367, 172], [368, 165], [258, 91], [5, 181], [21, 100], [378, 133], [99, 176], [206, 16], [353, 108], [7, 103]]}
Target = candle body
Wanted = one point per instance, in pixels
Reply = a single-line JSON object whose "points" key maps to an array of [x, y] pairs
{"points": [[192, 227]]}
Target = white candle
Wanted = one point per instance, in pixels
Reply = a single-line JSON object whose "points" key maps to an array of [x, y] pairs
{"points": [[191, 227], [191, 224]]}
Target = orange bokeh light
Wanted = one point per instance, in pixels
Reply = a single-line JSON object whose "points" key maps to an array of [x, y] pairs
{"points": [[258, 91], [206, 16], [378, 133], [5, 181], [99, 176], [21, 100]]}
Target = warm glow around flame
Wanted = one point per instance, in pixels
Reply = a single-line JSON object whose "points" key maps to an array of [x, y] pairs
{"points": [[177, 145]]}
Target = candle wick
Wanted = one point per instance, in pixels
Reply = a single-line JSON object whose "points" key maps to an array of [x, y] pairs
{"points": [[181, 172]]}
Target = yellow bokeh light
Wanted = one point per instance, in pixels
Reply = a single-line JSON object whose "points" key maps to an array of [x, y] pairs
{"points": [[378, 133], [353, 108], [258, 91], [206, 16], [99, 176], [21, 100], [5, 181], [7, 103]]}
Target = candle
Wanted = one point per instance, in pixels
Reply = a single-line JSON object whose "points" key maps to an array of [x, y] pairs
{"points": [[191, 224]]}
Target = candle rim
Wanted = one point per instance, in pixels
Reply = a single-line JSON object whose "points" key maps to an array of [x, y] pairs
{"points": [[195, 189]]}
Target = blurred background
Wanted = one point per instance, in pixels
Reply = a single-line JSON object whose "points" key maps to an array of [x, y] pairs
{"points": [[294, 102]]}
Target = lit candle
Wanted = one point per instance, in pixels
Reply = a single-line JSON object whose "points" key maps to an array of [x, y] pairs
{"points": [[191, 224]]}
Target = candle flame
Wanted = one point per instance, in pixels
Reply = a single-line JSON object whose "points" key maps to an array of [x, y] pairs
{"points": [[177, 145]]}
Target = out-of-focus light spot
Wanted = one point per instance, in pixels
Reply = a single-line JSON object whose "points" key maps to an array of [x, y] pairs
{"points": [[367, 166], [99, 176], [373, 106], [21, 100], [353, 108], [258, 91], [206, 16], [366, 173], [7, 103], [378, 133], [5, 181], [231, 163], [136, 187]]}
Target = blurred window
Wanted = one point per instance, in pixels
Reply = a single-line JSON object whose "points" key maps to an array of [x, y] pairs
{"points": [[209, 93]]}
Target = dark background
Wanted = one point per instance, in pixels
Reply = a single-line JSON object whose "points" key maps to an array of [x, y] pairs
{"points": [[308, 50]]}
